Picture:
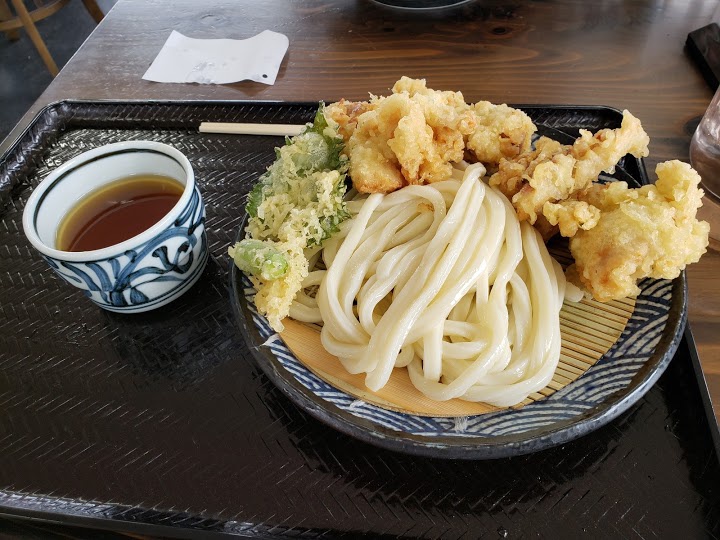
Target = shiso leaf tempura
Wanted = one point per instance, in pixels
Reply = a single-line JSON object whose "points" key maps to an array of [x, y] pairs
{"points": [[296, 204]]}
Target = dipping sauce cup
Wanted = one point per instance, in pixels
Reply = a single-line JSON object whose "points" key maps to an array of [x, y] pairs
{"points": [[143, 272]]}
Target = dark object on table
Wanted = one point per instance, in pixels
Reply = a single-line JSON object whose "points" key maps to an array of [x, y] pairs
{"points": [[703, 45], [163, 423], [421, 4]]}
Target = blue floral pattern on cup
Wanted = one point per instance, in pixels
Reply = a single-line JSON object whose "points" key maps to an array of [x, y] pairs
{"points": [[140, 273], [145, 276]]}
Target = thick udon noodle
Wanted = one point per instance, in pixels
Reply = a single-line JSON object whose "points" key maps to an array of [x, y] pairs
{"points": [[444, 280]]}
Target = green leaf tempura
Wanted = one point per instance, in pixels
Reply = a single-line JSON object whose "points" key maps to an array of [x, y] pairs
{"points": [[296, 204]]}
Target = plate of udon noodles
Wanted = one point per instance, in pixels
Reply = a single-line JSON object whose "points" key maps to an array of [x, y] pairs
{"points": [[590, 364]]}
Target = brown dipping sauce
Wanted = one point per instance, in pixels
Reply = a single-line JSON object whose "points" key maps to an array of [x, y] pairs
{"points": [[117, 211]]}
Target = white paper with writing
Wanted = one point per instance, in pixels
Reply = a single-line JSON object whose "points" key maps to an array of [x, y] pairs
{"points": [[219, 61]]}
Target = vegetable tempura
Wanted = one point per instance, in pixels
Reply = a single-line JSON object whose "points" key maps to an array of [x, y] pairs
{"points": [[296, 204]]}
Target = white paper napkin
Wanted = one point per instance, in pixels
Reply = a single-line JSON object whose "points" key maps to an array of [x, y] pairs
{"points": [[219, 61]]}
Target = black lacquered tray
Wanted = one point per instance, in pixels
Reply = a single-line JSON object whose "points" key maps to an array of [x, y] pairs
{"points": [[163, 424]]}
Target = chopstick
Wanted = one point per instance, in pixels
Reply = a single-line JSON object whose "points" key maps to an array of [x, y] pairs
{"points": [[251, 129]]}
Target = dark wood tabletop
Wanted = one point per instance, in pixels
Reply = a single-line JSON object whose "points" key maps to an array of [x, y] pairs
{"points": [[628, 55]]}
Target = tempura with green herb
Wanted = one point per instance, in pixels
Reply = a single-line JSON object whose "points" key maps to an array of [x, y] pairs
{"points": [[296, 204]]}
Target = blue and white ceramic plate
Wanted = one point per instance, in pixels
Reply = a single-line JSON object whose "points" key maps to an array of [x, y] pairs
{"points": [[611, 386], [618, 379]]}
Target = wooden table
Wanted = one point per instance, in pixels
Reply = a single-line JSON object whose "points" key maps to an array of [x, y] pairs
{"points": [[625, 55]]}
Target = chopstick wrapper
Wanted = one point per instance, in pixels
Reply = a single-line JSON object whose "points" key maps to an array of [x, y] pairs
{"points": [[219, 61]]}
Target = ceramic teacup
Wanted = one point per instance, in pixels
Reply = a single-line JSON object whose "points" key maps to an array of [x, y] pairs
{"points": [[139, 274]]}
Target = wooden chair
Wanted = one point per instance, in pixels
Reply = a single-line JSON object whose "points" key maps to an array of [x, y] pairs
{"points": [[10, 24]]}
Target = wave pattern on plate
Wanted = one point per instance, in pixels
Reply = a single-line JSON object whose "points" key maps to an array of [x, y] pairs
{"points": [[611, 373]]}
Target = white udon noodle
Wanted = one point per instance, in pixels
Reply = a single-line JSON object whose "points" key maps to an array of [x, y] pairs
{"points": [[444, 280]]}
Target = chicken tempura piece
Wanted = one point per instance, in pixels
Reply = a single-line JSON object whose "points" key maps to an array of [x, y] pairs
{"points": [[405, 138], [502, 132], [553, 172], [415, 135], [570, 216], [499, 131], [651, 231], [536, 177], [602, 151], [345, 114], [374, 167], [437, 100]]}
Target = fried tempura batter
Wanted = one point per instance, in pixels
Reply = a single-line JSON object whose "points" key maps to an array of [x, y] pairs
{"points": [[346, 113], [602, 151], [536, 177], [415, 135], [502, 132], [553, 172], [570, 215], [651, 231], [617, 235]]}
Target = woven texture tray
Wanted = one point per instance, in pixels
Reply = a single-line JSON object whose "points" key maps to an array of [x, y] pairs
{"points": [[162, 423]]}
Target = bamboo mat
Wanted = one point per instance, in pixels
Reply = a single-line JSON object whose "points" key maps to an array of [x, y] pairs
{"points": [[588, 330]]}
